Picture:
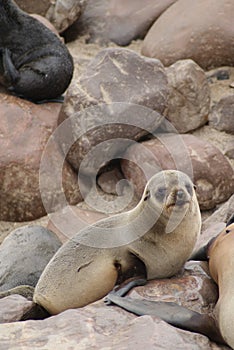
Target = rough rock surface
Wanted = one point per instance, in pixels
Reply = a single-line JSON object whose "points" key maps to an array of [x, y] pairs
{"points": [[222, 214], [12, 309], [119, 20], [39, 7], [25, 129], [100, 327], [117, 86], [189, 97], [201, 30], [61, 13], [24, 255], [199, 159], [222, 115]]}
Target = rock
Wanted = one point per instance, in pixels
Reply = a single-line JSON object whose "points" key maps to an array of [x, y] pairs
{"points": [[39, 7], [25, 129], [203, 162], [202, 30], [222, 214], [229, 150], [70, 220], [12, 308], [110, 181], [189, 98], [106, 128], [222, 115], [63, 13], [129, 20], [100, 327], [120, 21], [212, 230], [24, 255], [193, 289]]}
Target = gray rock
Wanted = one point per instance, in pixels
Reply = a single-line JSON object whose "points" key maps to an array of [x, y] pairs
{"points": [[222, 214], [222, 115], [24, 254], [189, 98], [63, 13]]}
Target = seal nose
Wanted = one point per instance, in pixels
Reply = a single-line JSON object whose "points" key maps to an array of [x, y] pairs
{"points": [[180, 194]]}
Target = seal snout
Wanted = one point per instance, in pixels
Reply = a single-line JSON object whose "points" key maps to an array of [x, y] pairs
{"points": [[178, 197]]}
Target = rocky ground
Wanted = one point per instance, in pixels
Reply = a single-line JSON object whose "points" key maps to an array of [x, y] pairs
{"points": [[192, 91]]}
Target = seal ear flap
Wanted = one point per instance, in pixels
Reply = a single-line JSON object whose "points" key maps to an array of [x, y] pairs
{"points": [[195, 187], [230, 220], [147, 195]]}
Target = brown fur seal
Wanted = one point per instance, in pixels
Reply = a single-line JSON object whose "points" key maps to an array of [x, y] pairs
{"points": [[34, 63], [220, 253], [154, 240]]}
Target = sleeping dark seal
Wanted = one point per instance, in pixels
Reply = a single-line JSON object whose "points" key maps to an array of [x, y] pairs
{"points": [[153, 240], [34, 63]]}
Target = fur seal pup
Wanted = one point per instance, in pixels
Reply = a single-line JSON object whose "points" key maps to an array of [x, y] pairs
{"points": [[220, 254], [153, 240], [34, 63]]}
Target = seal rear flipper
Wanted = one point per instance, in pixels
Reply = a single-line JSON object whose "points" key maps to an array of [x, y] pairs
{"points": [[171, 313], [37, 312]]}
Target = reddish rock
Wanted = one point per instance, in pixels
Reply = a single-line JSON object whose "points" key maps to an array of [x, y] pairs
{"points": [[70, 220], [222, 115], [12, 308], [189, 97], [193, 289], [103, 131], [25, 129], [202, 30], [203, 162]]}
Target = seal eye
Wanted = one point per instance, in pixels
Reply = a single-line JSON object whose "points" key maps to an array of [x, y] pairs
{"points": [[161, 193], [227, 231]]}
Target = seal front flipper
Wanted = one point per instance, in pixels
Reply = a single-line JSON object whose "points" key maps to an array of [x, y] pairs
{"points": [[10, 73], [125, 287], [171, 313]]}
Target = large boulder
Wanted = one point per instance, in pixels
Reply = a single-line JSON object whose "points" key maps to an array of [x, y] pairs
{"points": [[119, 98], [201, 30], [120, 20], [25, 129], [203, 162]]}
